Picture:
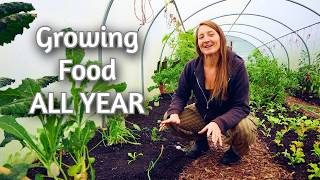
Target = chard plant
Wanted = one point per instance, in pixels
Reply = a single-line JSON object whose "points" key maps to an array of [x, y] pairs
{"points": [[84, 129], [265, 130], [15, 103]]}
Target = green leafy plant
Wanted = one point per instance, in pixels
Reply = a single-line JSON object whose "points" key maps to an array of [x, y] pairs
{"points": [[133, 156], [14, 16], [15, 103], [152, 164], [308, 75], [279, 136], [297, 155], [84, 130], [315, 171], [265, 130], [5, 81], [267, 80], [155, 136], [183, 50], [316, 149], [117, 132]]}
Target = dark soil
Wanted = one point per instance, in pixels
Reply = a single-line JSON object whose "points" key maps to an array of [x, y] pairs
{"points": [[112, 161], [300, 170], [310, 98]]}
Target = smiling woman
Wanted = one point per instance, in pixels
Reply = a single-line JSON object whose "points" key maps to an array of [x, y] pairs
{"points": [[219, 82], [88, 39]]}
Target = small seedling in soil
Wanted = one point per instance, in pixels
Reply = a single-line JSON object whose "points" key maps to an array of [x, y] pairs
{"points": [[316, 149], [155, 136], [297, 155], [133, 156], [315, 170]]}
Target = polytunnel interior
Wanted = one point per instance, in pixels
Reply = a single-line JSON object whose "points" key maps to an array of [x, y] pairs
{"points": [[284, 104], [279, 29]]}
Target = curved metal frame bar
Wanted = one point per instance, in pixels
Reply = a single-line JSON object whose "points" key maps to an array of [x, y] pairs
{"points": [[266, 33], [255, 39], [242, 39], [111, 2], [279, 22]]}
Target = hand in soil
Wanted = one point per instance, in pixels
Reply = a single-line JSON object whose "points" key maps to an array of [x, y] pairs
{"points": [[215, 132], [174, 119]]}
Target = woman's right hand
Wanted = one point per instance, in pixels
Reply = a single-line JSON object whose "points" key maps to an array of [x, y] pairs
{"points": [[174, 119]]}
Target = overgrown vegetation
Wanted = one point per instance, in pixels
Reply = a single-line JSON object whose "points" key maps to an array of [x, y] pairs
{"points": [[169, 70]]}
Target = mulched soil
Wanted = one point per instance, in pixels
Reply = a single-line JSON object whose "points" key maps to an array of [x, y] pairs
{"points": [[112, 161], [313, 113], [309, 98]]}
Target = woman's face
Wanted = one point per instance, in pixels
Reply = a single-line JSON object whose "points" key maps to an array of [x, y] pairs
{"points": [[208, 40]]}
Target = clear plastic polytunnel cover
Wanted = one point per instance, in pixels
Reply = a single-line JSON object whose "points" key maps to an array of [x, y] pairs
{"points": [[93, 90]]}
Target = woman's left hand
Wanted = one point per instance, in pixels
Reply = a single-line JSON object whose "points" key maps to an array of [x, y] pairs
{"points": [[213, 129]]}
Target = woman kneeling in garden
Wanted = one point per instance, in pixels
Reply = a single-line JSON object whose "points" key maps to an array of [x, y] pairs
{"points": [[219, 81]]}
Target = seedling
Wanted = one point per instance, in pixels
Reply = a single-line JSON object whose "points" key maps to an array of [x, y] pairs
{"points": [[297, 155], [155, 136], [279, 136], [133, 156], [315, 170], [316, 149]]}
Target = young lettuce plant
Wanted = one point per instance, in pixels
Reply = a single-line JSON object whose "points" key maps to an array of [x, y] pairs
{"points": [[297, 155], [315, 171], [316, 149]]}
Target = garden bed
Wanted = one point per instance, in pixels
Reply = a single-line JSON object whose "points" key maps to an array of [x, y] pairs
{"points": [[112, 161], [308, 138]]}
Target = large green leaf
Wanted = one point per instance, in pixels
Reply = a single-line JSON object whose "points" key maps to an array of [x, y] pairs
{"points": [[18, 101], [79, 138], [88, 132], [5, 81], [103, 86], [12, 25], [46, 80], [10, 125], [7, 9]]}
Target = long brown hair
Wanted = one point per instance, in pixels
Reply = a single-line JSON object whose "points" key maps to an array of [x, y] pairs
{"points": [[219, 91]]}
